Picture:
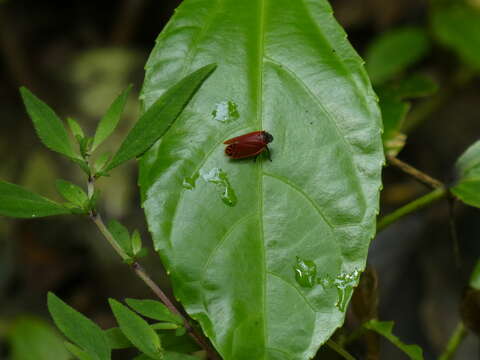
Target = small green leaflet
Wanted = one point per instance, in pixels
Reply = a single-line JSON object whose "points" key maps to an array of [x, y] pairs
{"points": [[48, 126], [15, 201], [79, 329], [72, 193], [160, 116], [137, 330], [384, 328], [153, 310], [110, 120], [121, 236], [76, 351]]}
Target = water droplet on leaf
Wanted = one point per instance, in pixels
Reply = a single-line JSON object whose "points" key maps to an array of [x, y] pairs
{"points": [[189, 182], [219, 177], [344, 283], [225, 111], [305, 272]]}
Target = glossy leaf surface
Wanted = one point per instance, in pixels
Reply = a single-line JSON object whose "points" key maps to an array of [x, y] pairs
{"points": [[467, 188], [230, 232], [457, 27], [16, 201], [79, 329], [394, 51], [384, 328]]}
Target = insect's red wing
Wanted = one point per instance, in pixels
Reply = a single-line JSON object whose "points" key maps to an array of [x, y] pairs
{"points": [[252, 137], [244, 149]]}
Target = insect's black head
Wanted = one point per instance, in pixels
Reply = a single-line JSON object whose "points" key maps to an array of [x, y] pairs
{"points": [[267, 137]]}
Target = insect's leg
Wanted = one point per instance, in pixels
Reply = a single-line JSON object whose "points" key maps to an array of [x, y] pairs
{"points": [[268, 153]]}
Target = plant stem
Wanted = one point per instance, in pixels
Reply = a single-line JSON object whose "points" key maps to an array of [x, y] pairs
{"points": [[454, 342], [142, 274], [415, 205], [339, 350], [415, 173]]}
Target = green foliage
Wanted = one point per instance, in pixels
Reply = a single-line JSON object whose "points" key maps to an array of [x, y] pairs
{"points": [[79, 329], [384, 328], [153, 310], [33, 339], [137, 330], [72, 193], [49, 127], [18, 202], [110, 120], [160, 116], [77, 352], [136, 243], [395, 108], [467, 188], [121, 236], [394, 51], [76, 130], [457, 27], [229, 232], [117, 339]]}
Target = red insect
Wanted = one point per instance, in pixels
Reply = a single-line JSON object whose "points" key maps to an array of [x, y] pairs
{"points": [[248, 145]]}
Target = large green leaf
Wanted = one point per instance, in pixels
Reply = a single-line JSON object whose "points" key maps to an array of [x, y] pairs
{"points": [[232, 233]]}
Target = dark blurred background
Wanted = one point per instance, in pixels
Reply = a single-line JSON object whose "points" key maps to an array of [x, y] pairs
{"points": [[78, 55]]}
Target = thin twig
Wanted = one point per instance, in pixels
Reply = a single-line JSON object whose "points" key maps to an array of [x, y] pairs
{"points": [[415, 173], [339, 350], [145, 277], [454, 342], [415, 205]]}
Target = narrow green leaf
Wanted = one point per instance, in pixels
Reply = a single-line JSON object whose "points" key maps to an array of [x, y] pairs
{"points": [[110, 120], [77, 352], [384, 328], [394, 51], [18, 202], [101, 162], [467, 188], [75, 128], [33, 339], [116, 339], [136, 243], [229, 232], [79, 329], [48, 126], [154, 310], [457, 27], [72, 193], [165, 326], [137, 330], [160, 116], [121, 236]]}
